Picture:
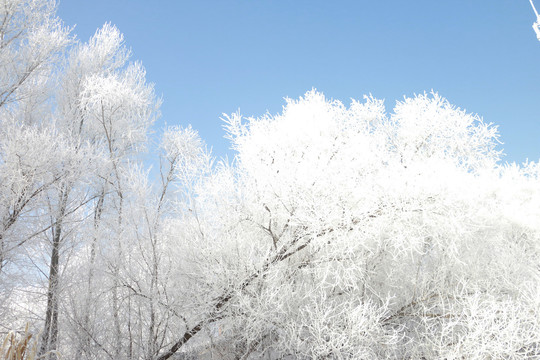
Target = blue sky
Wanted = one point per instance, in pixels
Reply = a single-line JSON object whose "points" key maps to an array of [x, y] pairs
{"points": [[212, 57]]}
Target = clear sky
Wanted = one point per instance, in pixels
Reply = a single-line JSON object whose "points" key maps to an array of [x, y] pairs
{"points": [[213, 57]]}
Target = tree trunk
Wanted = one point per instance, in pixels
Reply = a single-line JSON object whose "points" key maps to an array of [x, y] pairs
{"points": [[50, 331], [116, 282], [84, 346]]}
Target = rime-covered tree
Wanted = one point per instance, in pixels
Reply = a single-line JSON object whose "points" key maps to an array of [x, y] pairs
{"points": [[336, 232], [104, 103], [32, 41], [346, 232], [74, 117]]}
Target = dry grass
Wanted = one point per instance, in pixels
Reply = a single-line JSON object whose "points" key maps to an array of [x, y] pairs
{"points": [[21, 346]]}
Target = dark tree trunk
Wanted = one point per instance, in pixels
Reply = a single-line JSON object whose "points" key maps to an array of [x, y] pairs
{"points": [[50, 331]]}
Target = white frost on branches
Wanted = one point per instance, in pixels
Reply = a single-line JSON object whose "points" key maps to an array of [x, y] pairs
{"points": [[346, 232], [337, 232]]}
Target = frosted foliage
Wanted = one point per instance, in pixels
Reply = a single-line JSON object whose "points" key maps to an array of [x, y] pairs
{"points": [[185, 142], [31, 38], [30, 161], [73, 119], [347, 232], [185, 157], [430, 127], [119, 106], [32, 155], [337, 231], [104, 52], [104, 98]]}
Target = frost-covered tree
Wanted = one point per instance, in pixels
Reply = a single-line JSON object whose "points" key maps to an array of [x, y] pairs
{"points": [[31, 42], [349, 233], [73, 119], [31, 39], [148, 278], [105, 104], [336, 232]]}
